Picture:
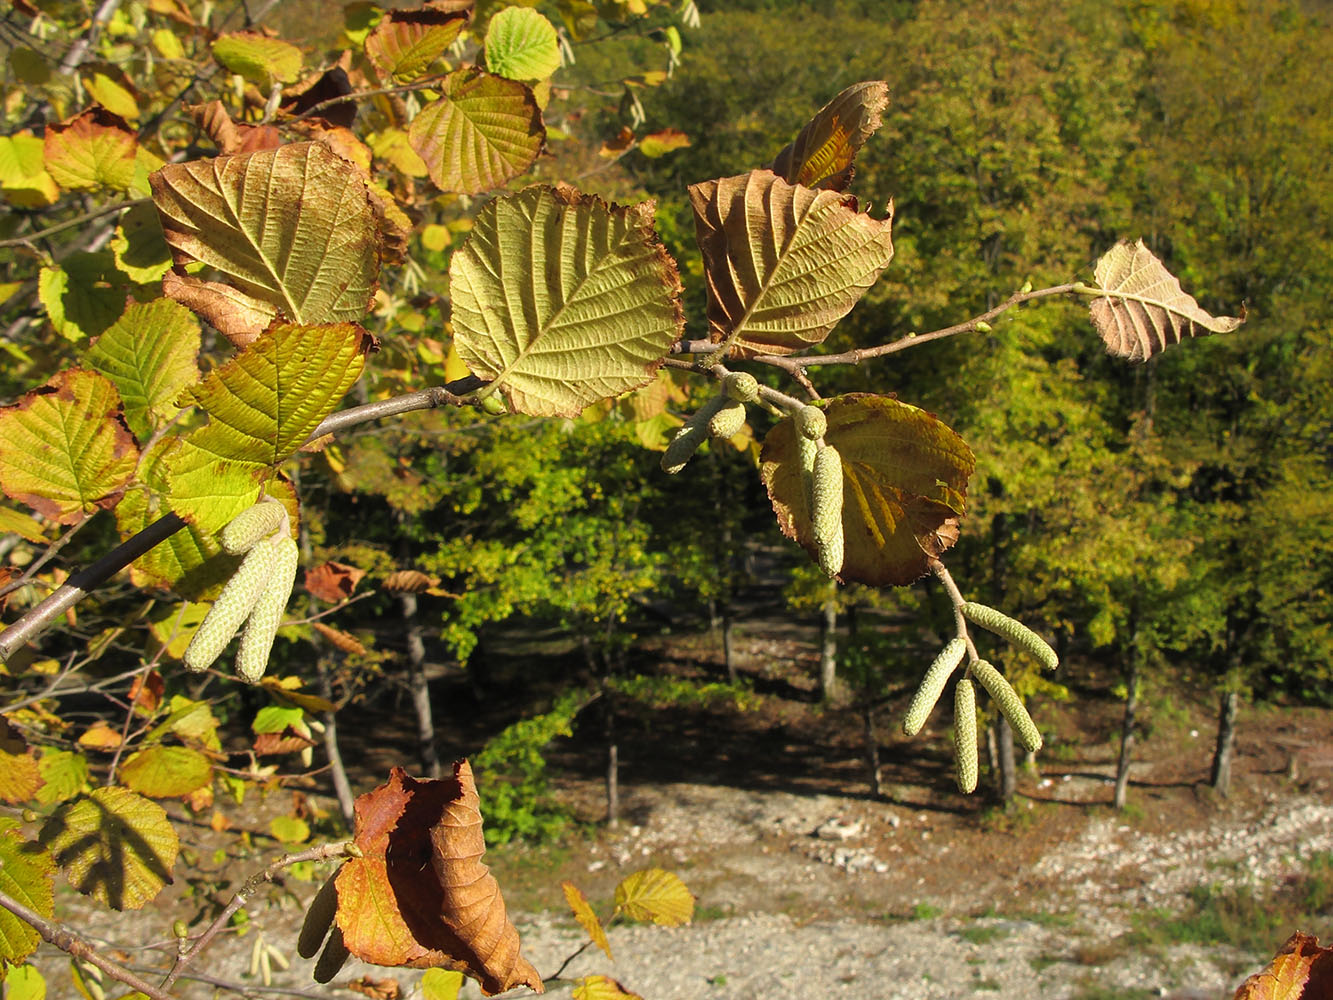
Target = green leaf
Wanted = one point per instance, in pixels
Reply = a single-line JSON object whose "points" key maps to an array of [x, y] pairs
{"points": [[261, 60], [67, 451], [441, 984], [140, 250], [23, 176], [406, 42], [263, 405], [23, 982], [483, 132], [291, 230], [821, 155], [113, 845], [83, 295], [660, 143], [64, 775], [904, 485], [166, 772], [92, 150], [784, 263], [149, 353], [110, 87], [276, 718], [190, 720], [289, 829], [25, 875], [655, 895], [563, 300], [521, 45]]}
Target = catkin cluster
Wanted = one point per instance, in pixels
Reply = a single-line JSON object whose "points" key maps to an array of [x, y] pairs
{"points": [[256, 594], [722, 417], [821, 475]]}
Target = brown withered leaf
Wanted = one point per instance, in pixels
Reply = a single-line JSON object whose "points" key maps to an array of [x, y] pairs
{"points": [[408, 581], [784, 263], [376, 989], [287, 741], [406, 42], [821, 155], [1301, 970], [341, 640], [146, 692], [420, 895], [1148, 311], [333, 581], [229, 136]]}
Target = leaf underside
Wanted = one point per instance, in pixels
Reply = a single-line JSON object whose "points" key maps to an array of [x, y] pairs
{"points": [[1150, 311], [821, 155]]}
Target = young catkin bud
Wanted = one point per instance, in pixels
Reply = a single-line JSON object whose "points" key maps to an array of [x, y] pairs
{"points": [[251, 525], [728, 421], [965, 735], [826, 509], [741, 386], [1009, 703], [231, 608], [692, 434], [811, 422], [1015, 631], [257, 639], [318, 919], [937, 675]]}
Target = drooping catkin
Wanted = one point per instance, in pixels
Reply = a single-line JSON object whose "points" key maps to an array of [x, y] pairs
{"points": [[928, 693], [252, 525], [826, 509], [727, 421], [692, 434], [257, 639], [231, 608], [1015, 631], [811, 422], [806, 450], [1009, 703], [965, 736], [741, 386], [318, 919]]}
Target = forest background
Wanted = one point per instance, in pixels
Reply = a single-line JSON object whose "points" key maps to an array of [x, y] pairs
{"points": [[1165, 524]]}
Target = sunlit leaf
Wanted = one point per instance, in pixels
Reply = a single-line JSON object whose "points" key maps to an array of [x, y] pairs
{"points": [[440, 984], [100, 736], [657, 896], [391, 145], [23, 525], [149, 353], [586, 916], [23, 176], [1301, 970], [1148, 310], [64, 775], [25, 875], [657, 144], [24, 982], [601, 988], [289, 829], [521, 45], [111, 88], [83, 294], [420, 896], [405, 42], [20, 774], [166, 772], [563, 300], [67, 451], [113, 845], [783, 263], [140, 250], [821, 155], [260, 59], [904, 486], [482, 132], [92, 150], [262, 405], [290, 229]]}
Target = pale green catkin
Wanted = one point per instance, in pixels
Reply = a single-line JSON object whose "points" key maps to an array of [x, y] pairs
{"points": [[257, 639], [231, 608], [811, 422], [806, 450], [826, 509], [251, 525], [727, 421], [965, 735], [1015, 631], [932, 685], [692, 434], [1009, 703], [741, 386]]}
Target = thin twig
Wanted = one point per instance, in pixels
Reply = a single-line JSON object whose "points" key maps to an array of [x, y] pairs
{"points": [[79, 50], [56, 933], [78, 220], [242, 896], [406, 88], [45, 557], [957, 599]]}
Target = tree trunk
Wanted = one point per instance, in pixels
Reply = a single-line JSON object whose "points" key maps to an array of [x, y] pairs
{"points": [[1127, 726], [872, 749], [1007, 777], [419, 688], [728, 656], [828, 646], [612, 763], [1226, 742], [341, 786]]}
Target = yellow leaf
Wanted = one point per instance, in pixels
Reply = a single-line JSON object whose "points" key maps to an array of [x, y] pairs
{"points": [[655, 895], [601, 988], [587, 919]]}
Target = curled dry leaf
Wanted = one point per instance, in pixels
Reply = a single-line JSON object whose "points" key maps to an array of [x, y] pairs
{"points": [[229, 136], [333, 581], [341, 640], [408, 581], [821, 155], [1301, 970], [420, 895], [1147, 311]]}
